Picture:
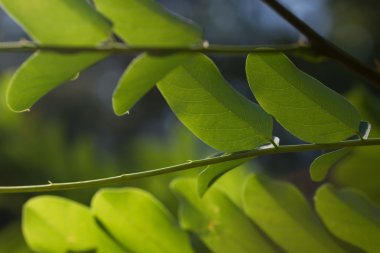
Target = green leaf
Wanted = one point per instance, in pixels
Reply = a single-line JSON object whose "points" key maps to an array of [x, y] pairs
{"points": [[350, 215], [54, 224], [212, 109], [211, 173], [360, 170], [281, 211], [139, 221], [133, 20], [232, 182], [300, 103], [146, 23], [43, 72], [216, 220], [141, 75], [56, 22], [322, 164], [75, 24]]}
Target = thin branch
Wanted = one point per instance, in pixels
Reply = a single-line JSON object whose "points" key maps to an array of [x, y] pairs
{"points": [[121, 48], [185, 166], [325, 47]]}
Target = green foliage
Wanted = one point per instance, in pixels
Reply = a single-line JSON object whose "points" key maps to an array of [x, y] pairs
{"points": [[212, 109], [300, 103], [275, 217], [138, 221], [141, 76], [133, 19], [360, 169], [281, 211], [53, 224], [260, 215], [42, 72], [321, 165], [211, 173], [210, 219], [350, 215], [75, 23]]}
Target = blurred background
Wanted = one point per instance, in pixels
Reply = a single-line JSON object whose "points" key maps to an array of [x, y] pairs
{"points": [[72, 133]]}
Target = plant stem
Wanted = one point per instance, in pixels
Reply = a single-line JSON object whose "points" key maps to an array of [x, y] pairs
{"points": [[185, 166], [325, 47], [121, 48]]}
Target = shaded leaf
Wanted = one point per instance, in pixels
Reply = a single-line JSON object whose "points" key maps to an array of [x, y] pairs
{"points": [[139, 221], [212, 109], [212, 173], [216, 220], [54, 224], [232, 182], [141, 75], [350, 215], [281, 211], [300, 103], [361, 168], [75, 23], [11, 239], [322, 164], [133, 20]]}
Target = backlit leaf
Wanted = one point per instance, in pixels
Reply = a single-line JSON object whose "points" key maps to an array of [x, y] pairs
{"points": [[147, 23], [132, 21], [212, 109], [321, 165], [350, 215], [141, 75], [300, 103], [54, 224], [139, 221], [219, 223], [53, 22], [281, 211]]}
